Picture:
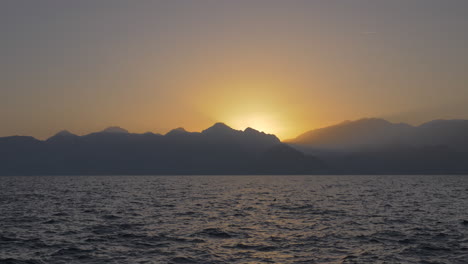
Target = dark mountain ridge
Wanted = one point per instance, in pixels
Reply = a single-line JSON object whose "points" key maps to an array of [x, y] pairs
{"points": [[366, 146], [216, 150]]}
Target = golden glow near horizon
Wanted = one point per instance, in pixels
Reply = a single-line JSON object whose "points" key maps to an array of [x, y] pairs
{"points": [[258, 121], [253, 102], [282, 67]]}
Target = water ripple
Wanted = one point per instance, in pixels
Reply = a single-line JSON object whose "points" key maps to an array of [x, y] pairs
{"points": [[234, 219]]}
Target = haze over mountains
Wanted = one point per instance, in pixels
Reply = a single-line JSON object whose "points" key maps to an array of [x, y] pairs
{"points": [[372, 145], [376, 146], [374, 133]]}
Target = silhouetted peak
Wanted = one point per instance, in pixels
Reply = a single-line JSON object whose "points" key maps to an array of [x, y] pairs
{"points": [[358, 133], [64, 134], [219, 128], [149, 133], [250, 130], [177, 131], [115, 130], [260, 136]]}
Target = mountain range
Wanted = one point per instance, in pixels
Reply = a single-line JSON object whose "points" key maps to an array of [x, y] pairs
{"points": [[376, 146], [216, 150], [365, 146], [372, 133]]}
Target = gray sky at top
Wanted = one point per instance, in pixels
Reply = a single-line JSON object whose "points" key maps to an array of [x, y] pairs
{"points": [[83, 65]]}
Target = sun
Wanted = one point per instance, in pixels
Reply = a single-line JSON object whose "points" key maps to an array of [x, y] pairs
{"points": [[258, 103], [259, 121]]}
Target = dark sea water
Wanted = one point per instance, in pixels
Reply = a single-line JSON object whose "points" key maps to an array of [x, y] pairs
{"points": [[234, 219]]}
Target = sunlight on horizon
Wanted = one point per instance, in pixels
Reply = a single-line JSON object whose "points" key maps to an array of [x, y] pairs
{"points": [[258, 121], [254, 100], [272, 65]]}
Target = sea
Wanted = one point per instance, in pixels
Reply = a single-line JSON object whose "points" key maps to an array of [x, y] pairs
{"points": [[234, 219]]}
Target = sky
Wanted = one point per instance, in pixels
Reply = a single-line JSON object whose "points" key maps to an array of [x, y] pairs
{"points": [[283, 67]]}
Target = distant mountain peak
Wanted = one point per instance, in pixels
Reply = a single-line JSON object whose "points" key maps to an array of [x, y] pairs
{"points": [[115, 129], [149, 133], [62, 135], [251, 130], [177, 131], [219, 128], [357, 133], [220, 125]]}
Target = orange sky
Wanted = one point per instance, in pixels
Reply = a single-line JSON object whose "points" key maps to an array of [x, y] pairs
{"points": [[283, 67]]}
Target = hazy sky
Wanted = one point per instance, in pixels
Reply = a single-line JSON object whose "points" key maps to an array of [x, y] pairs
{"points": [[280, 66]]}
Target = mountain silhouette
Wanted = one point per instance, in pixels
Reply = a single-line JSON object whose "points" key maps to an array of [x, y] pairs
{"points": [[63, 136], [376, 146], [450, 133], [375, 133], [362, 133], [218, 149], [115, 129], [365, 146]]}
